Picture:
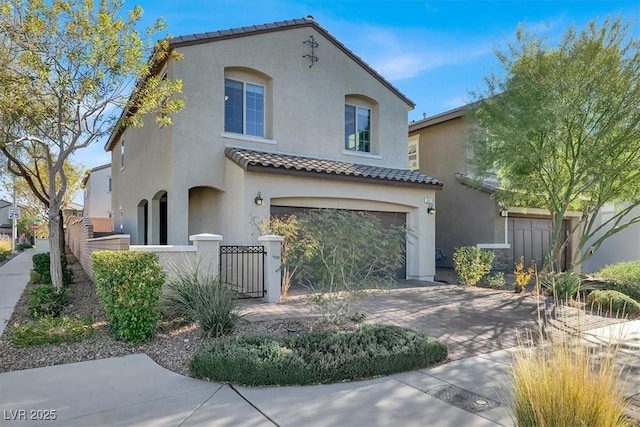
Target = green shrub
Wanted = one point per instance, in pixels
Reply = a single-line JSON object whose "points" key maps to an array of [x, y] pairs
{"points": [[563, 286], [50, 330], [129, 285], [496, 280], [321, 357], [41, 265], [623, 277], [629, 289], [622, 272], [23, 246], [613, 302], [46, 300], [200, 297], [471, 264]]}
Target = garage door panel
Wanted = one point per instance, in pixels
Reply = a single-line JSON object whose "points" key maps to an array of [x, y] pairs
{"points": [[387, 219]]}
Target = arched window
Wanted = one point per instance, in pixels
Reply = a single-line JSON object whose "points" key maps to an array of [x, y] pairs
{"points": [[360, 124], [247, 102]]}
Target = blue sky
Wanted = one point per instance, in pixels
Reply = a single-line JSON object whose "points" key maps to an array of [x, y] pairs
{"points": [[435, 52]]}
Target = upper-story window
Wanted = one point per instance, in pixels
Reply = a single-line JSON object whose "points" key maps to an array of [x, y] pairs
{"points": [[122, 155], [244, 108], [414, 152], [357, 128]]}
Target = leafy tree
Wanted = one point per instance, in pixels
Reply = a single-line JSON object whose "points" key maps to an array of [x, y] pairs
{"points": [[66, 68], [33, 205], [561, 129]]}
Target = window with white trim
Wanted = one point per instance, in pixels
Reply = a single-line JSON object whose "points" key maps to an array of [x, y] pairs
{"points": [[414, 152], [357, 128], [244, 108]]}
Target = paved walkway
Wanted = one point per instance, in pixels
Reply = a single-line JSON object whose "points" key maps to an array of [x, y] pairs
{"points": [[470, 391], [14, 276]]}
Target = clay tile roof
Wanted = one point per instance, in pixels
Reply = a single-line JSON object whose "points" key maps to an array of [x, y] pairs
{"points": [[257, 160]]}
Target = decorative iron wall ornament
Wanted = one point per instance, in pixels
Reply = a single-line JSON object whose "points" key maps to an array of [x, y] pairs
{"points": [[313, 45]]}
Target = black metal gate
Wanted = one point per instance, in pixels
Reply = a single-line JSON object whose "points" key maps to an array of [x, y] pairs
{"points": [[242, 269]]}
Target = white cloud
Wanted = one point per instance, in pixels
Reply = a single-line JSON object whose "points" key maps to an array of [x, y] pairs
{"points": [[402, 53]]}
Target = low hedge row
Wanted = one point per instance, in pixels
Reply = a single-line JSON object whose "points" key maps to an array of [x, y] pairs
{"points": [[614, 302], [129, 285], [316, 358]]}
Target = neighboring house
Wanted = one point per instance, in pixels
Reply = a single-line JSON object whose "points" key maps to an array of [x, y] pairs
{"points": [[621, 246], [5, 223], [468, 215], [96, 185], [72, 209], [279, 118]]}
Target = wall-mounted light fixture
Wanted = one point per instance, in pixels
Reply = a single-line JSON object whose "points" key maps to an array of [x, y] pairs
{"points": [[431, 209], [259, 200], [504, 213]]}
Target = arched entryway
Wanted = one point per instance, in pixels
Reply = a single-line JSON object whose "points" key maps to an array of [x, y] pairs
{"points": [[143, 223], [204, 210], [160, 219]]}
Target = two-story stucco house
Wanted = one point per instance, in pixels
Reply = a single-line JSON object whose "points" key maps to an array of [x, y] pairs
{"points": [[96, 185], [469, 215], [279, 118]]}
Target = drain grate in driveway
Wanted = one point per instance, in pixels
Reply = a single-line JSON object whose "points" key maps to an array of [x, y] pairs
{"points": [[462, 399]]}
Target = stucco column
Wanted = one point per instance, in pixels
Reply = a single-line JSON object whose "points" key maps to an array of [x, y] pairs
{"points": [[272, 261], [207, 251]]}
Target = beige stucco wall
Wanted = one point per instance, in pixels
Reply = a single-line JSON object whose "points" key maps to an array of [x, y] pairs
{"points": [[465, 216], [622, 246], [306, 113]]}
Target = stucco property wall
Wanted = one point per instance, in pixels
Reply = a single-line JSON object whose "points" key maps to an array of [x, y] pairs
{"points": [[622, 246]]}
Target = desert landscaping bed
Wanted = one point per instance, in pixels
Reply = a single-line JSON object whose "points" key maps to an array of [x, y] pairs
{"points": [[171, 347]]}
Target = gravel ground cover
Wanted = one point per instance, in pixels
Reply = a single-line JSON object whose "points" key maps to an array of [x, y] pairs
{"points": [[171, 347]]}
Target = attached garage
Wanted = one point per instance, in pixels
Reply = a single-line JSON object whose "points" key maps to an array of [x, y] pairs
{"points": [[530, 238], [387, 218]]}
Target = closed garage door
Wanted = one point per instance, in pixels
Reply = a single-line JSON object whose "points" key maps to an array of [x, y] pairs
{"points": [[387, 219], [530, 238]]}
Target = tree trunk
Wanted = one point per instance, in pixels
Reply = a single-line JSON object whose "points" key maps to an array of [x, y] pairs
{"points": [[54, 250]]}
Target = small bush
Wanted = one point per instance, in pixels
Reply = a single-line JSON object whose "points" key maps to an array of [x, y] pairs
{"points": [[623, 277], [622, 272], [200, 297], [46, 300], [563, 286], [23, 246], [321, 357], [129, 285], [496, 280], [50, 330], [471, 264], [568, 383], [614, 302], [42, 266]]}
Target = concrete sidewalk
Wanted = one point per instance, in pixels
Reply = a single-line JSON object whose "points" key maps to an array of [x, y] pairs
{"points": [[14, 276]]}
